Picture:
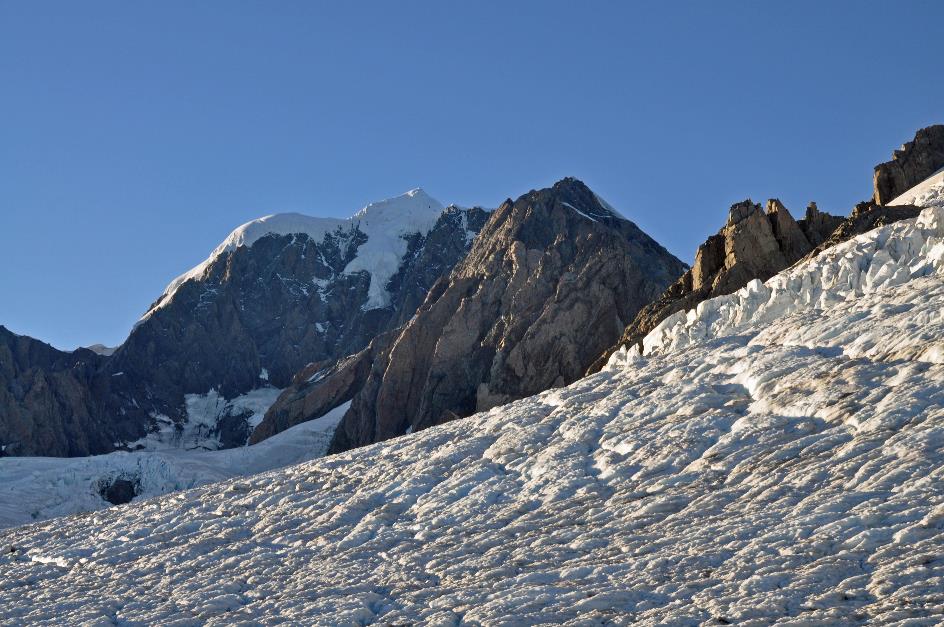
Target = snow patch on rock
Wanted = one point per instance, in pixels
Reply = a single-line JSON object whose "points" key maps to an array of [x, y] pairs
{"points": [[204, 413]]}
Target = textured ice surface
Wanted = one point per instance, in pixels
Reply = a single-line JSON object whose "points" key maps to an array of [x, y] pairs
{"points": [[37, 488], [775, 458]]}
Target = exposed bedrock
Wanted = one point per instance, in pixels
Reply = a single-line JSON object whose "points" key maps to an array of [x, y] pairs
{"points": [[910, 164], [550, 282], [753, 244]]}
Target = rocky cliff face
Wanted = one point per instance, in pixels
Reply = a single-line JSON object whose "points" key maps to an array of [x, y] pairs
{"points": [[754, 244], [911, 164], [248, 319], [325, 384], [46, 402], [551, 280]]}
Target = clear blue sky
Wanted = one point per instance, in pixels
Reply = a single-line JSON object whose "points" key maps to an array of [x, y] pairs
{"points": [[135, 135]]}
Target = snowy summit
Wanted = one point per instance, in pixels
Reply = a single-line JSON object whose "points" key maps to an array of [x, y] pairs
{"points": [[384, 223]]}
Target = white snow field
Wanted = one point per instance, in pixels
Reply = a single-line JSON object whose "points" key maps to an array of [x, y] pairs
{"points": [[777, 459]]}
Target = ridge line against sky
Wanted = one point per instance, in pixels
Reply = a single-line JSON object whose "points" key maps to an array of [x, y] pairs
{"points": [[136, 137]]}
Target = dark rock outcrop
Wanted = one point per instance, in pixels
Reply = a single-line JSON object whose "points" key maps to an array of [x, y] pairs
{"points": [[817, 225], [911, 164], [865, 216], [548, 284], [47, 400]]}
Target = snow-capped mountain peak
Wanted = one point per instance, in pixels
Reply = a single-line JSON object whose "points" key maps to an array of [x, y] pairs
{"points": [[384, 222], [414, 204]]}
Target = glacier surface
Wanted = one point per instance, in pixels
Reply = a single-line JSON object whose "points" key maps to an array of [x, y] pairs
{"points": [[775, 456], [37, 488]]}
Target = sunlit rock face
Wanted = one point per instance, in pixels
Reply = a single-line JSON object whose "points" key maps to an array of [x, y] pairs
{"points": [[550, 282], [754, 244]]}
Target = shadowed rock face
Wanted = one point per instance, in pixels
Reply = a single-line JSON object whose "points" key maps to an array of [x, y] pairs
{"points": [[257, 316], [911, 164], [46, 398], [549, 283], [323, 385]]}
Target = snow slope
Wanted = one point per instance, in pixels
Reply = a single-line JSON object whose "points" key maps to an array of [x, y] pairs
{"points": [[786, 469], [37, 488], [384, 223]]}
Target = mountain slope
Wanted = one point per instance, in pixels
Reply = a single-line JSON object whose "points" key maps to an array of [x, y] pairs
{"points": [[777, 469], [277, 294], [550, 282], [46, 398]]}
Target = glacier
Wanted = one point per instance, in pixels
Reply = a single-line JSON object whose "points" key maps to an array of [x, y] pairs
{"points": [[775, 456], [37, 488]]}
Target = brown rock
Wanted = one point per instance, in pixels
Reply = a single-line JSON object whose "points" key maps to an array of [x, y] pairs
{"points": [[753, 244], [746, 249], [317, 389], [818, 226]]}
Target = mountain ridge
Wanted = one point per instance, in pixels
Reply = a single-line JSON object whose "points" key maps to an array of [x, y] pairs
{"points": [[749, 247], [249, 317], [540, 265]]}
